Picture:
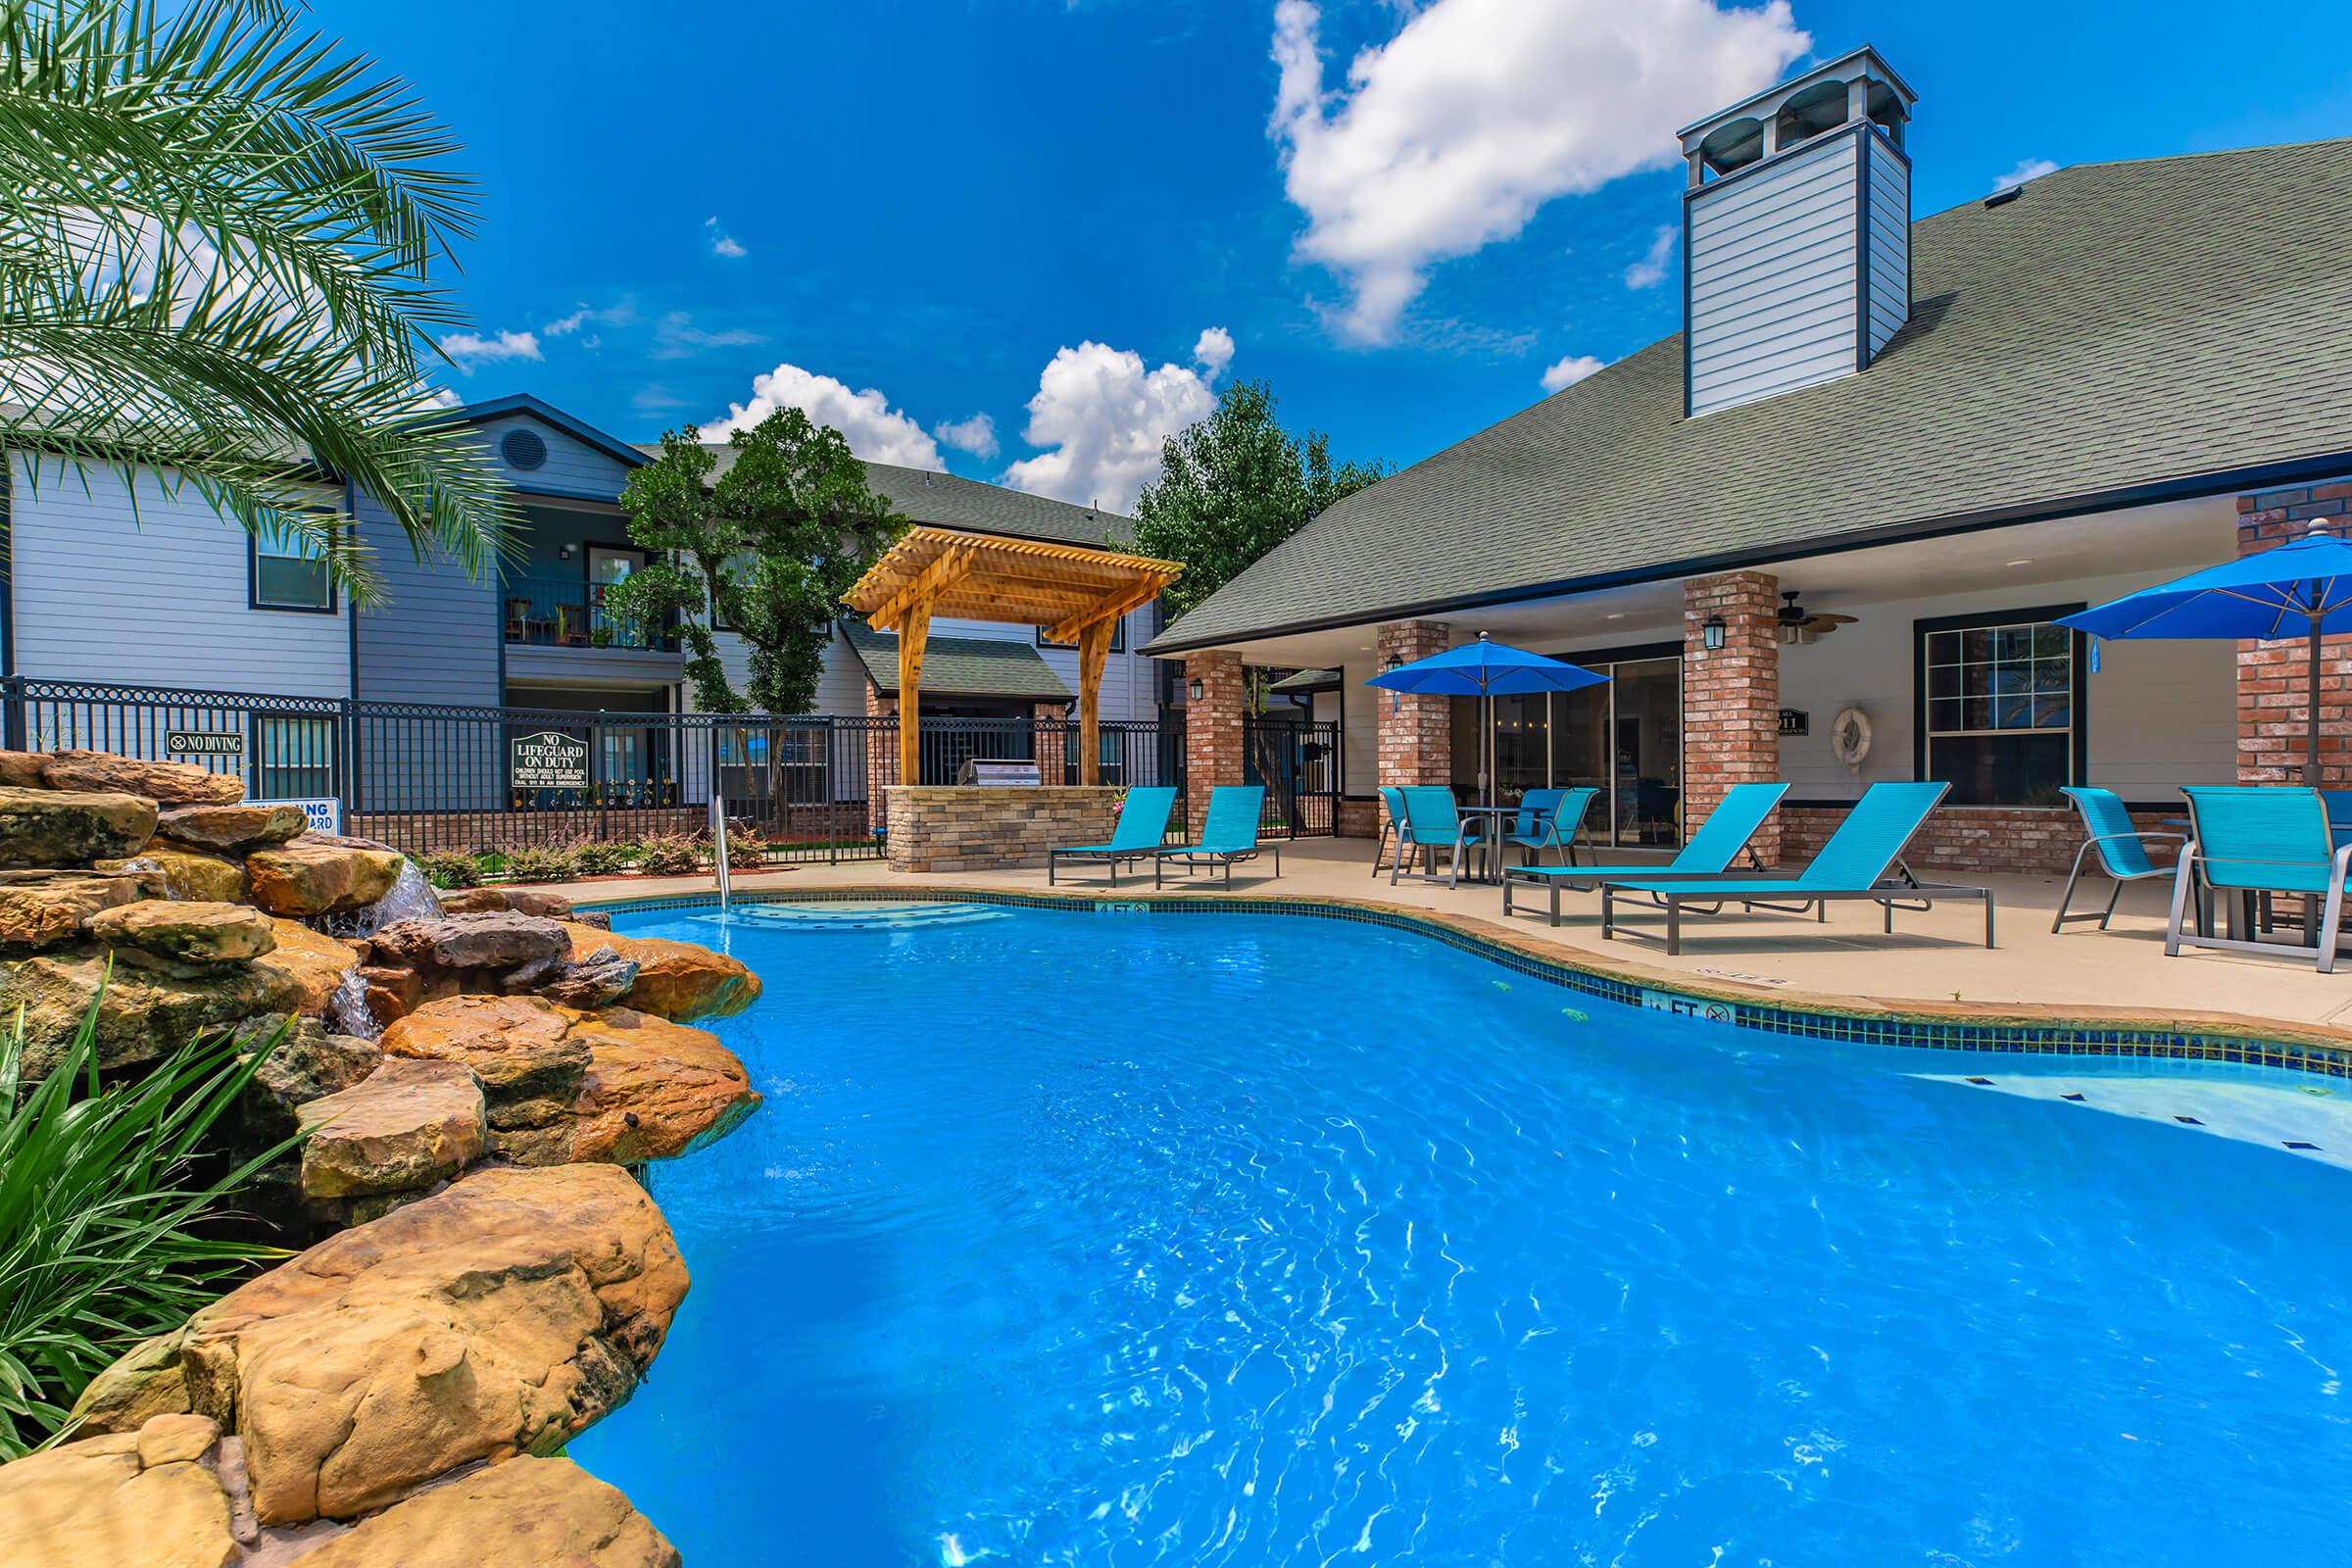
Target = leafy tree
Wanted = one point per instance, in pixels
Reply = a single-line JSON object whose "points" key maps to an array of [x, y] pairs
{"points": [[216, 230], [771, 545], [1235, 485]]}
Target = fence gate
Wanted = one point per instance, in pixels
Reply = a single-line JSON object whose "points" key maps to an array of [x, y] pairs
{"points": [[1298, 763]]}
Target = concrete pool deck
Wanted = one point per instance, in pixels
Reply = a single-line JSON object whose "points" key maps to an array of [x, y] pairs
{"points": [[1934, 962]]}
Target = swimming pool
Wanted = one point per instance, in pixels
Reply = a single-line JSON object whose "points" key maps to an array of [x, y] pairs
{"points": [[1244, 1239]]}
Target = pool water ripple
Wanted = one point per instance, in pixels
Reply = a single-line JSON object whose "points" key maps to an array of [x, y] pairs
{"points": [[1254, 1240]]}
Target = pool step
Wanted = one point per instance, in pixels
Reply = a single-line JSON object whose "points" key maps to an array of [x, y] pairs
{"points": [[858, 917]]}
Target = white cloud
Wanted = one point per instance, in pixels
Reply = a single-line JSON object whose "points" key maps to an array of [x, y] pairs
{"points": [[1452, 134], [2026, 168], [1650, 270], [876, 431], [1102, 415], [1568, 371], [466, 350], [676, 337], [722, 243], [976, 435]]}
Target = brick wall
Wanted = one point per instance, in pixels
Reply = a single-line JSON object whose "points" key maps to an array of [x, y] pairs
{"points": [[1048, 723], [1356, 817], [2274, 692], [940, 827], [1731, 696], [1213, 728], [881, 752], [2025, 839], [1415, 732]]}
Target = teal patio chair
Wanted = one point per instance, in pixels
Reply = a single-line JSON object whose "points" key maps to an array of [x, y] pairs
{"points": [[1142, 823], [2246, 840], [2120, 845], [1431, 823], [1548, 819], [1392, 823], [1853, 865], [1227, 838], [1709, 853]]}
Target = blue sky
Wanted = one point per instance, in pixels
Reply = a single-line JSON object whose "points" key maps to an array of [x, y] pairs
{"points": [[1075, 218]]}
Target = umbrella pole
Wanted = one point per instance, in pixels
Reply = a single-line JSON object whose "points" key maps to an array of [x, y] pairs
{"points": [[2310, 755]]}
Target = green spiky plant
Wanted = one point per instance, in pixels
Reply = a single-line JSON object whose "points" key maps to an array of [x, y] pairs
{"points": [[218, 240], [105, 1211]]}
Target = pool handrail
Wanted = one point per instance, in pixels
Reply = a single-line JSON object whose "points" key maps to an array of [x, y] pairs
{"points": [[1727, 831], [1227, 837], [1142, 827]]}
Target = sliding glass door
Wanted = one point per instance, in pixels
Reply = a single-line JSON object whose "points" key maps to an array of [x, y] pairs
{"points": [[1623, 738]]}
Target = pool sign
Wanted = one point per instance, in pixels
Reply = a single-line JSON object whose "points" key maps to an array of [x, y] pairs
{"points": [[204, 742], [550, 761], [323, 814], [1687, 1006]]}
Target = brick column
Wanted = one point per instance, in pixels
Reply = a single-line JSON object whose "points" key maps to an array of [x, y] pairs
{"points": [[881, 755], [1416, 731], [1046, 721], [2273, 679], [1731, 696], [1212, 729]]}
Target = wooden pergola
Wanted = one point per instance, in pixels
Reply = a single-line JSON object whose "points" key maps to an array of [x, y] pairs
{"points": [[1077, 595]]}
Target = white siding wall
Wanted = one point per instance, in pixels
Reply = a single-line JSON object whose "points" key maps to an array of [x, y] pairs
{"points": [[162, 598], [2160, 714], [1773, 285], [1890, 240], [1359, 730]]}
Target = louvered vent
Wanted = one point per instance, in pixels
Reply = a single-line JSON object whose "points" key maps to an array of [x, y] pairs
{"points": [[523, 449]]}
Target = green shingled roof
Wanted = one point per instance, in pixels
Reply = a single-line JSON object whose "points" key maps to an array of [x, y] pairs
{"points": [[962, 666], [2118, 332], [945, 501]]}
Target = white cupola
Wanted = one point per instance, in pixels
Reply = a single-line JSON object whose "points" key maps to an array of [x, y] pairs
{"points": [[1797, 234]]}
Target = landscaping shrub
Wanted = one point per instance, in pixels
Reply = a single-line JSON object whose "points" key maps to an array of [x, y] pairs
{"points": [[605, 859], [544, 863], [674, 855], [450, 868], [745, 851], [103, 1214]]}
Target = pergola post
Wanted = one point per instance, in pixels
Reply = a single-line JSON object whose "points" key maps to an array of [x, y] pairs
{"points": [[915, 628], [1093, 653]]}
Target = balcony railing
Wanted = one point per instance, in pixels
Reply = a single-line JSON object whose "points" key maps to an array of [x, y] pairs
{"points": [[566, 613]]}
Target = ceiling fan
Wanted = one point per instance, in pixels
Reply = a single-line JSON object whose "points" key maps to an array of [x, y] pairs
{"points": [[1797, 626]]}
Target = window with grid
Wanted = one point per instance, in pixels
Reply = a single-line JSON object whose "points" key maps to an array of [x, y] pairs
{"points": [[1118, 637], [2001, 720], [289, 569], [297, 758]]}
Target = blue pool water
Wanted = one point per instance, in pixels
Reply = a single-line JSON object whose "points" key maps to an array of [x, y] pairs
{"points": [[1103, 1239]]}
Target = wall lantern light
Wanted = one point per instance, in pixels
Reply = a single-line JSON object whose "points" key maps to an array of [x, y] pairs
{"points": [[1195, 690], [1710, 636]]}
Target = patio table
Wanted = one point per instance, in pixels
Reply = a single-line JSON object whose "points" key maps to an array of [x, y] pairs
{"points": [[1488, 839]]}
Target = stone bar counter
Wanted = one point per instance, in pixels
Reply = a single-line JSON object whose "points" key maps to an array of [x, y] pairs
{"points": [[947, 827]]}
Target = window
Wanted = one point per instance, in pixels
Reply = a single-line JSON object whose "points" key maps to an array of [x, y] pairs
{"points": [[2001, 716], [296, 759], [1118, 637], [288, 570]]}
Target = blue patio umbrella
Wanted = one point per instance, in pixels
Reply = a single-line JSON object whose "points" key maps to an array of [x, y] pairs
{"points": [[1487, 669], [2302, 589]]}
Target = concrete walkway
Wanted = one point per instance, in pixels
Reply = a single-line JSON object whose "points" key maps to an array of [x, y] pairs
{"points": [[1934, 963]]}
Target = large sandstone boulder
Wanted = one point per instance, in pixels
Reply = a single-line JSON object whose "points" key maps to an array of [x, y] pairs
{"points": [[186, 933], [169, 783], [146, 1013], [315, 959], [59, 827], [315, 875], [599, 980], [138, 1498], [23, 769], [233, 829], [517, 1047], [676, 980], [490, 940], [654, 1089], [306, 1063], [43, 908], [403, 1128], [502, 1316], [525, 1513], [520, 900], [187, 874]]}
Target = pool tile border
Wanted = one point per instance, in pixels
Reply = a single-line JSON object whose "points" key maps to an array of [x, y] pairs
{"points": [[1866, 1022]]}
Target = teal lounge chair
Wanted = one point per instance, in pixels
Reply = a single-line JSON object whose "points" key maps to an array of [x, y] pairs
{"points": [[1709, 853], [1142, 823], [2246, 840], [1853, 865], [1548, 819], [1431, 823], [2122, 848], [1227, 838]]}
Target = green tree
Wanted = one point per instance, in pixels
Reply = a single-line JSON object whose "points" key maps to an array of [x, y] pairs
{"points": [[1235, 485], [216, 230], [770, 545]]}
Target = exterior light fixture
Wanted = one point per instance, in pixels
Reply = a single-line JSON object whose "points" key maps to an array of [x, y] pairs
{"points": [[1710, 635], [1195, 688]]}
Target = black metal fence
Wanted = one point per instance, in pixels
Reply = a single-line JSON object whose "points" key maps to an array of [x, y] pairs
{"points": [[428, 778], [1298, 763]]}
